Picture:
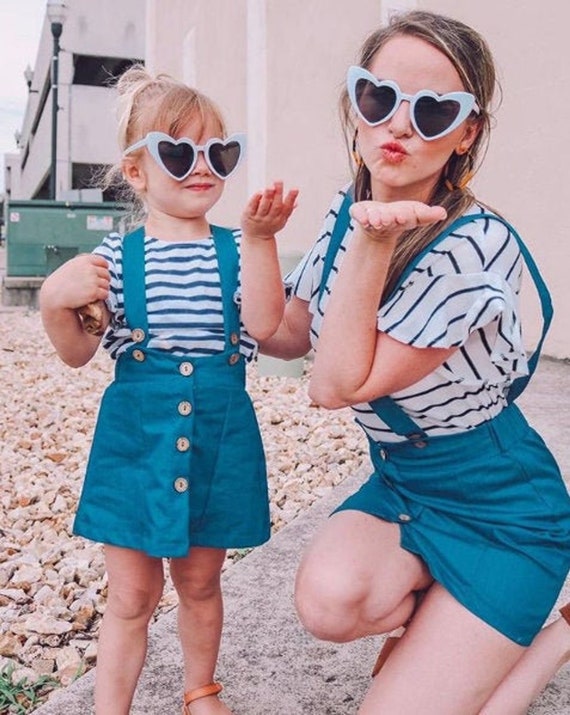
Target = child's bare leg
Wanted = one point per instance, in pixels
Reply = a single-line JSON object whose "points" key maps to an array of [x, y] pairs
{"points": [[549, 651], [200, 619], [135, 586]]}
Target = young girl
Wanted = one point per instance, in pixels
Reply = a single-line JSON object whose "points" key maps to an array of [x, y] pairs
{"points": [[176, 468], [410, 298]]}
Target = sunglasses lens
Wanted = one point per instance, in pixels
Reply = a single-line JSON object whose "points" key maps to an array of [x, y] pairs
{"points": [[224, 157], [177, 158], [433, 117], [374, 103]]}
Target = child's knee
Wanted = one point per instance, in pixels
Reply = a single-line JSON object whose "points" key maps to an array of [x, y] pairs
{"points": [[131, 604]]}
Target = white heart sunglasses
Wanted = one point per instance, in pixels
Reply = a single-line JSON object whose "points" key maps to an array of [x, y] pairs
{"points": [[432, 115], [178, 157]]}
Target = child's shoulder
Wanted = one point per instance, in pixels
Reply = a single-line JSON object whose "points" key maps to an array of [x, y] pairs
{"points": [[111, 243]]}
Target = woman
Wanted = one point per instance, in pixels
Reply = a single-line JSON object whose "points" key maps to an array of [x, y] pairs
{"points": [[410, 298]]}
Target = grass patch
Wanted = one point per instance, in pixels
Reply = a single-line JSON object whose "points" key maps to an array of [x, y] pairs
{"points": [[22, 696]]}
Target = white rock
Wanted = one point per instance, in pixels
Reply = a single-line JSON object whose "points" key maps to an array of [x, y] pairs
{"points": [[47, 625]]}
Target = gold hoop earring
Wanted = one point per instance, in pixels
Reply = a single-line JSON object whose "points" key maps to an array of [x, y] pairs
{"points": [[355, 155], [461, 184]]}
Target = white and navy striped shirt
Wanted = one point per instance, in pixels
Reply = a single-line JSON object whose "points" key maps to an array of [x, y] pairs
{"points": [[183, 298], [463, 293]]}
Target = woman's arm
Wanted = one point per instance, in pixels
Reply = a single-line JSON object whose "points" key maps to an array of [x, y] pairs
{"points": [[81, 280], [355, 362], [262, 294]]}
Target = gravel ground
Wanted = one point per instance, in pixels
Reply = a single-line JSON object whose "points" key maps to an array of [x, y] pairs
{"points": [[52, 585]]}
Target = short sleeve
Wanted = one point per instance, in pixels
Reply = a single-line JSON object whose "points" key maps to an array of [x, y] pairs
{"points": [[463, 293], [111, 250]]}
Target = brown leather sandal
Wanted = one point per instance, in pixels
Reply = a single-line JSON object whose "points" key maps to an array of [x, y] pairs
{"points": [[389, 645], [565, 612], [203, 692]]}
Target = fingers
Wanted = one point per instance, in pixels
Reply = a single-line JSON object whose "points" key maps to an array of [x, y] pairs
{"points": [[268, 211], [402, 215], [87, 278]]}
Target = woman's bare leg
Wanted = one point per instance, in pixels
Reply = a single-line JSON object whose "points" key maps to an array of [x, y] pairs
{"points": [[135, 586], [549, 651], [448, 662], [355, 579], [200, 618]]}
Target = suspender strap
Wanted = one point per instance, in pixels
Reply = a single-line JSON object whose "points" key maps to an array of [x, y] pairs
{"points": [[340, 228], [397, 420], [134, 281], [228, 265]]}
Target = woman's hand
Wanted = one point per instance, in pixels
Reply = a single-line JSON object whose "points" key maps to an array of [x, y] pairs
{"points": [[268, 211], [387, 221]]}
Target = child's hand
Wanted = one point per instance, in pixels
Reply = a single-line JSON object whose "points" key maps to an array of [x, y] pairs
{"points": [[384, 221], [268, 211], [81, 280]]}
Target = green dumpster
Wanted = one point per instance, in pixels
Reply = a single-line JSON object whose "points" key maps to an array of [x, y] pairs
{"points": [[41, 235]]}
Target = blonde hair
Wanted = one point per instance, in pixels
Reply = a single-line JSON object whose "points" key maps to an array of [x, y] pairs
{"points": [[154, 103], [470, 55]]}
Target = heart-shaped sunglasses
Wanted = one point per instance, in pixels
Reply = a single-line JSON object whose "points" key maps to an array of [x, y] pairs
{"points": [[178, 157], [432, 115]]}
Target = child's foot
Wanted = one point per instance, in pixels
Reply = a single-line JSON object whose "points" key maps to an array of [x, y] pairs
{"points": [[205, 701], [208, 706]]}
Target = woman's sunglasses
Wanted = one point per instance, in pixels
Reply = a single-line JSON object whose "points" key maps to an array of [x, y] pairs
{"points": [[178, 157], [432, 115]]}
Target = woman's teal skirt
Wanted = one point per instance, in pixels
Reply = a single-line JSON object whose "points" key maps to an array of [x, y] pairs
{"points": [[487, 511]]}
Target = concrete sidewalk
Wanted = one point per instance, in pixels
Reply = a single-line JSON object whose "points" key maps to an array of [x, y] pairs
{"points": [[268, 664]]}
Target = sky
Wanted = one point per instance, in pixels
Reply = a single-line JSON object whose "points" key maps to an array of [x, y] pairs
{"points": [[20, 29]]}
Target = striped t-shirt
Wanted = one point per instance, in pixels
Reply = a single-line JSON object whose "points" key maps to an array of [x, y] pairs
{"points": [[463, 293], [183, 298]]}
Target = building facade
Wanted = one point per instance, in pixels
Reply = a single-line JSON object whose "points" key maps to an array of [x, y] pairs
{"points": [[98, 41], [276, 68]]}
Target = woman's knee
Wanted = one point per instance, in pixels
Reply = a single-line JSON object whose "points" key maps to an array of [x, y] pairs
{"points": [[328, 606]]}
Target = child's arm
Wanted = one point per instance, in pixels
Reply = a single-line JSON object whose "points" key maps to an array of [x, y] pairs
{"points": [[262, 294], [81, 280]]}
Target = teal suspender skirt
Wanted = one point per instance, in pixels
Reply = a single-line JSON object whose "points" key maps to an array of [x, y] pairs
{"points": [[177, 459], [486, 510]]}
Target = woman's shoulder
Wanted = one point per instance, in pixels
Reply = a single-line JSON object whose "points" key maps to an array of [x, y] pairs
{"points": [[480, 221], [483, 234]]}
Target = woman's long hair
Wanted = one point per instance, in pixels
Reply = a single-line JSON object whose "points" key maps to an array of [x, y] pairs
{"points": [[471, 57]]}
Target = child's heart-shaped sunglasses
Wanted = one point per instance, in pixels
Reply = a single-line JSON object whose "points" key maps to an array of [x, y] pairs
{"points": [[178, 157], [432, 115]]}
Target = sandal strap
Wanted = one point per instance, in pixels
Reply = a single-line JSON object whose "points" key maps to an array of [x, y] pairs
{"points": [[565, 613], [203, 692]]}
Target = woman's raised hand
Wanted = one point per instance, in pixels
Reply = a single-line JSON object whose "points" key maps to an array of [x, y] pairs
{"points": [[384, 221]]}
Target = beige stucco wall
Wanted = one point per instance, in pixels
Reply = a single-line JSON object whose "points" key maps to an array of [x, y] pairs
{"points": [[526, 174], [276, 69], [293, 129]]}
